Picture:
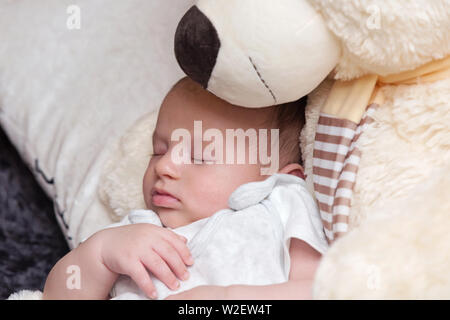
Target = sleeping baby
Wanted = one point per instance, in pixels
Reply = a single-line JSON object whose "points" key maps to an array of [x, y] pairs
{"points": [[216, 215]]}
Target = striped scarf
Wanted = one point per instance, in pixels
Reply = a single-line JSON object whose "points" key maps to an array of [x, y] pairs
{"points": [[344, 116]]}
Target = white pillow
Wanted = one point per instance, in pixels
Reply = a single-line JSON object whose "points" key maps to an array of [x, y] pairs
{"points": [[67, 95]]}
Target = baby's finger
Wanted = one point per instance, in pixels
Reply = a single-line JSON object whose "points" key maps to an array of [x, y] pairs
{"points": [[160, 270], [181, 247], [172, 258], [140, 275]]}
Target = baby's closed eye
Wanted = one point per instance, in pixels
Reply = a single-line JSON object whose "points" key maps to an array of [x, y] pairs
{"points": [[196, 160]]}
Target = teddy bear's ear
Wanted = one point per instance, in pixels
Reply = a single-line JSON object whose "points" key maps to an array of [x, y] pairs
{"points": [[256, 53], [197, 45], [386, 37]]}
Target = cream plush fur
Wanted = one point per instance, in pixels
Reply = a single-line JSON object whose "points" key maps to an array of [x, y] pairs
{"points": [[399, 219], [400, 251], [121, 184], [386, 37]]}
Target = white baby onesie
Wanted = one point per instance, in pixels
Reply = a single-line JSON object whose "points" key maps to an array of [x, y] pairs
{"points": [[245, 244]]}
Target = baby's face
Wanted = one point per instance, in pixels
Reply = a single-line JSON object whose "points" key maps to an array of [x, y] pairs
{"points": [[196, 190]]}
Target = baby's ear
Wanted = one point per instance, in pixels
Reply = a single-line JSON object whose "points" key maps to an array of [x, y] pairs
{"points": [[294, 169]]}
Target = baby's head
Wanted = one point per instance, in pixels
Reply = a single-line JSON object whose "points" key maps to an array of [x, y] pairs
{"points": [[195, 168]]}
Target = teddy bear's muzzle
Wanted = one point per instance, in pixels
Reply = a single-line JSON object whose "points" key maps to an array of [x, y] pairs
{"points": [[197, 45]]}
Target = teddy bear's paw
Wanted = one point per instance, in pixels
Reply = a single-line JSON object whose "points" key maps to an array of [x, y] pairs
{"points": [[399, 252], [120, 187]]}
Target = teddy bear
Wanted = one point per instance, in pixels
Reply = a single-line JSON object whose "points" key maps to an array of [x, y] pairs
{"points": [[380, 67], [378, 78]]}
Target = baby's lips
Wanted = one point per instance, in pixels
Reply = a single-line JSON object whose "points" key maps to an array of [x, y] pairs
{"points": [[165, 201]]}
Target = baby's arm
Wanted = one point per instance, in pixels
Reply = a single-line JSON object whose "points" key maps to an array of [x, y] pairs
{"points": [[304, 262], [96, 280], [129, 250]]}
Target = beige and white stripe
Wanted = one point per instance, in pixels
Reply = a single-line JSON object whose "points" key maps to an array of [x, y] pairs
{"points": [[345, 114], [335, 165]]}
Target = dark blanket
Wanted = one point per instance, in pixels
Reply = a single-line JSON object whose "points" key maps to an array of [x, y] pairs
{"points": [[30, 239]]}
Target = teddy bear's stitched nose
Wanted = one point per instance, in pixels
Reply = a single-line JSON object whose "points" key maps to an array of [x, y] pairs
{"points": [[197, 45]]}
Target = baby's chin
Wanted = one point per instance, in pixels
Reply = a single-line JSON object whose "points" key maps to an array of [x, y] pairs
{"points": [[171, 218]]}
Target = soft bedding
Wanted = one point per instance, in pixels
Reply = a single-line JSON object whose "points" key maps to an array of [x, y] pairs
{"points": [[30, 238]]}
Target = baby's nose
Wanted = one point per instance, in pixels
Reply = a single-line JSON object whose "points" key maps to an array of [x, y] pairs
{"points": [[165, 166], [197, 45]]}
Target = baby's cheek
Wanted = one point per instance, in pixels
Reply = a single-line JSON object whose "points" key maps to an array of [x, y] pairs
{"points": [[213, 187], [147, 185], [213, 197]]}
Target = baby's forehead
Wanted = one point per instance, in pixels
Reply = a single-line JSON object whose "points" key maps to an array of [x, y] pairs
{"points": [[195, 102]]}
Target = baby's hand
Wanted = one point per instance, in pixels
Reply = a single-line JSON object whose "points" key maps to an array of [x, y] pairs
{"points": [[132, 249]]}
